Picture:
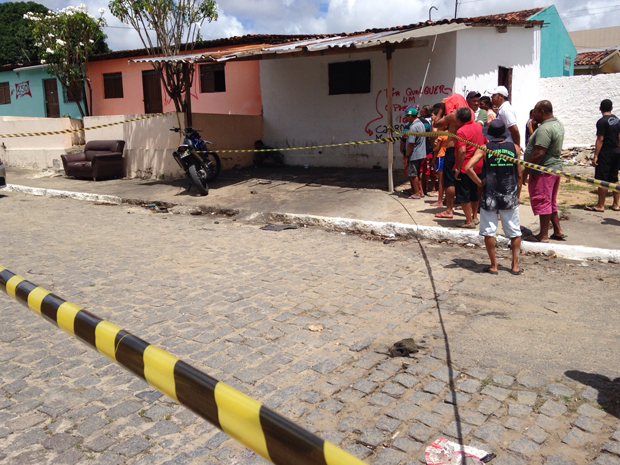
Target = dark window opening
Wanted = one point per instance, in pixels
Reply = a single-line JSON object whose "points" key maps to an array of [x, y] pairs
{"points": [[113, 85], [349, 77], [504, 78], [212, 78], [73, 93], [5, 93]]}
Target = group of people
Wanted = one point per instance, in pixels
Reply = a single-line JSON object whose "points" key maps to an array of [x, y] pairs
{"points": [[487, 186]]}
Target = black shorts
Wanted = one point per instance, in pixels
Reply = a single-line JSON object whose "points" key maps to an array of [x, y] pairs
{"points": [[607, 167], [413, 168], [449, 160], [466, 189]]}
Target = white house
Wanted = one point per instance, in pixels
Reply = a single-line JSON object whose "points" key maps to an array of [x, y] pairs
{"points": [[301, 105]]}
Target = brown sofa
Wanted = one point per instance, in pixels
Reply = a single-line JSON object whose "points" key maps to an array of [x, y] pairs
{"points": [[100, 159]]}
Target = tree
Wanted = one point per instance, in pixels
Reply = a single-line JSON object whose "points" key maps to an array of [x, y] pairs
{"points": [[65, 40], [176, 26], [16, 40]]}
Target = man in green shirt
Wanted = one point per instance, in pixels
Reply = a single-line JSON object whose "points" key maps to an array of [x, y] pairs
{"points": [[544, 148]]}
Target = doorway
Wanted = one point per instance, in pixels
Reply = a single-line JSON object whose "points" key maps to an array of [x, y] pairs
{"points": [[151, 86], [52, 105], [504, 78]]}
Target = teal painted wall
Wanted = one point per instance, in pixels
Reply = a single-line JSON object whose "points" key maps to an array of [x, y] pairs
{"points": [[23, 104], [555, 44]]}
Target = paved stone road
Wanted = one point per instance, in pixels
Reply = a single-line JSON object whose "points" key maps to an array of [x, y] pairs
{"points": [[521, 366]]}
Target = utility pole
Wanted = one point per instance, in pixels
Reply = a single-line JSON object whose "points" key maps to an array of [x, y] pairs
{"points": [[456, 7]]}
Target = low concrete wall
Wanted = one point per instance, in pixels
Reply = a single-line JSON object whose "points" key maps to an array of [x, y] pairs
{"points": [[149, 143], [576, 101], [37, 151], [230, 132]]}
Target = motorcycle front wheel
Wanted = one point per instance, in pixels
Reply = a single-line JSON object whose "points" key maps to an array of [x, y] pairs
{"points": [[198, 176]]}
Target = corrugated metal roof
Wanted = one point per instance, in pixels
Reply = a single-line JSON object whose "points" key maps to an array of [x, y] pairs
{"points": [[362, 40], [368, 38]]}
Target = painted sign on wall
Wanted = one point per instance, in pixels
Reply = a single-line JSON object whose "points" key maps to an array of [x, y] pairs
{"points": [[22, 89], [400, 102]]}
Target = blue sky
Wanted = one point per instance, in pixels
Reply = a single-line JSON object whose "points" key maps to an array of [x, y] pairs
{"points": [[239, 17]]}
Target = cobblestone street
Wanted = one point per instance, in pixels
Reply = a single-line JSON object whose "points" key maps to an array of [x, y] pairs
{"points": [[524, 366]]}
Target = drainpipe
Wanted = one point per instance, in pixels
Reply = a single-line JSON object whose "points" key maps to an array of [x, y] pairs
{"points": [[188, 94], [388, 54]]}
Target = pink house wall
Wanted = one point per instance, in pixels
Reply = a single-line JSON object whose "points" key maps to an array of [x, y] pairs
{"points": [[242, 96]]}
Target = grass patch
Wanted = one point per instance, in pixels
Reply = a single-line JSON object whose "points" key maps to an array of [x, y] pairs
{"points": [[575, 187]]}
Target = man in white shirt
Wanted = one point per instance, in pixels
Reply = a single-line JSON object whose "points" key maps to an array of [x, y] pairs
{"points": [[507, 114]]}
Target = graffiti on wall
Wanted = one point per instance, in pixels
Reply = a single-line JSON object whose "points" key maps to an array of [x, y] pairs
{"points": [[400, 102], [22, 89]]}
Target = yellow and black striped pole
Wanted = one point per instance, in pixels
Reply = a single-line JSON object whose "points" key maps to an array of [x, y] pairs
{"points": [[262, 430]]}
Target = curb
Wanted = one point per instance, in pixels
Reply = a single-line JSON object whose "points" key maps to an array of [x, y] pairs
{"points": [[572, 252], [403, 230]]}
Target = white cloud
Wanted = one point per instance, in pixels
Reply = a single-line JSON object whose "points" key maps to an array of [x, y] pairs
{"points": [[239, 17]]}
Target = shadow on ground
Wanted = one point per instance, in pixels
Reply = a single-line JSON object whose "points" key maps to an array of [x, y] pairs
{"points": [[465, 264], [354, 178], [608, 389]]}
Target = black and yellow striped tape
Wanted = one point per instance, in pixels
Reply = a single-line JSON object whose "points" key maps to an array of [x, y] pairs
{"points": [[262, 430], [576, 177], [341, 144], [70, 131]]}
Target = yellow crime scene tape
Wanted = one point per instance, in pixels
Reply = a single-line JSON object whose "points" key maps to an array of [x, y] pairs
{"points": [[243, 418], [70, 131], [341, 144], [576, 177]]}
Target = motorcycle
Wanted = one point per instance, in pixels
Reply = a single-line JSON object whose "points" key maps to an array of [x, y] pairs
{"points": [[200, 164]]}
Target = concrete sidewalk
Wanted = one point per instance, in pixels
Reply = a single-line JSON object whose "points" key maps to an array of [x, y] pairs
{"points": [[332, 193]]}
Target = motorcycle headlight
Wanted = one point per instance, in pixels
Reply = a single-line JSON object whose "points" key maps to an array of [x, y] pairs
{"points": [[183, 148]]}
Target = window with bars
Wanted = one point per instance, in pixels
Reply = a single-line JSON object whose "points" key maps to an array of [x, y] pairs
{"points": [[212, 78], [5, 93], [113, 85], [349, 77]]}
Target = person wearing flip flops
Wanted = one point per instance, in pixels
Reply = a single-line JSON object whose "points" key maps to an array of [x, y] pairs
{"points": [[499, 193], [606, 156], [416, 152], [545, 148], [466, 190]]}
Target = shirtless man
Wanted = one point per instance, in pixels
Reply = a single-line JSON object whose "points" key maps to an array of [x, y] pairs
{"points": [[447, 122]]}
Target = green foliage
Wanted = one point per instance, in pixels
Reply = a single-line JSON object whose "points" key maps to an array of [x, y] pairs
{"points": [[65, 40], [176, 24], [16, 40]]}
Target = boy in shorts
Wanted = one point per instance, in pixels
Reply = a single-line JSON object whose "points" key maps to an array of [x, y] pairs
{"points": [[499, 193]]}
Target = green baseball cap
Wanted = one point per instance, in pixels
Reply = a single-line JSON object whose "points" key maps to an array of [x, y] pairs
{"points": [[412, 112]]}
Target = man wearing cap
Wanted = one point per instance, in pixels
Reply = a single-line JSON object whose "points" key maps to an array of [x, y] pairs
{"points": [[416, 152], [473, 101], [507, 114], [545, 148], [499, 193], [606, 155]]}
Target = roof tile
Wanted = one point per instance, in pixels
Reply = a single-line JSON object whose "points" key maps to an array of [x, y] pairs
{"points": [[592, 58]]}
